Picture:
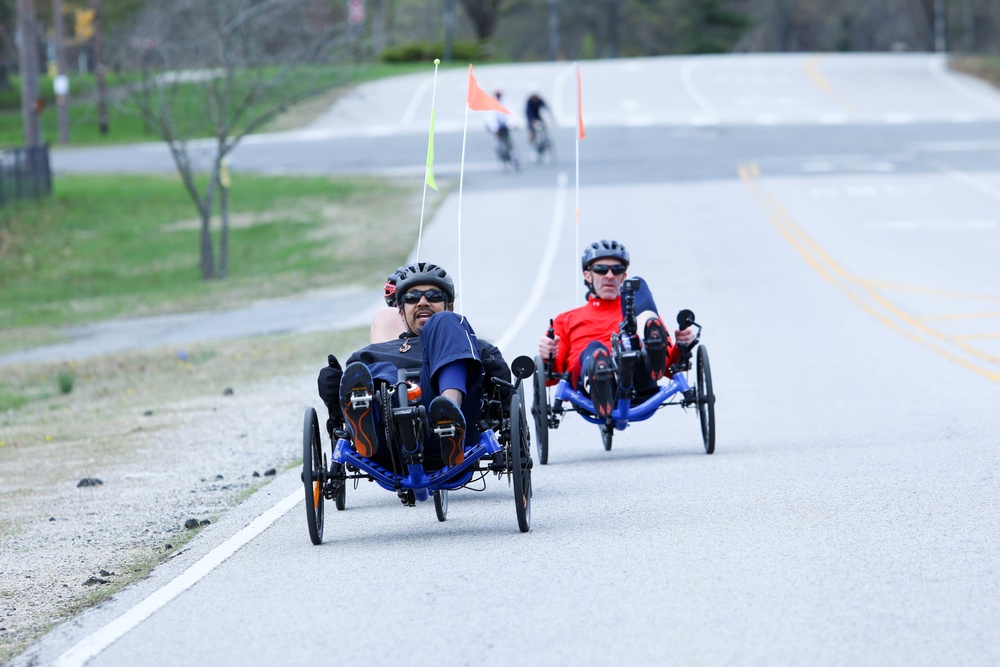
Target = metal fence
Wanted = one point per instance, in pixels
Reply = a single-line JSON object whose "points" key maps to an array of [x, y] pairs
{"points": [[25, 173]]}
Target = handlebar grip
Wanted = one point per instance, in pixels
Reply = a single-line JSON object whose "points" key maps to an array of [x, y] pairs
{"points": [[552, 335]]}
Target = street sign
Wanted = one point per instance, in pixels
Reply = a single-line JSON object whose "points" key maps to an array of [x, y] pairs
{"points": [[355, 12], [60, 85]]}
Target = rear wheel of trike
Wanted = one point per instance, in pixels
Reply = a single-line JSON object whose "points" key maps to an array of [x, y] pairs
{"points": [[312, 475], [706, 401], [340, 488], [441, 504], [607, 433]]}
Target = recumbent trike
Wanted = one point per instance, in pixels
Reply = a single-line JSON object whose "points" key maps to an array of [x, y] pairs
{"points": [[548, 410], [503, 450]]}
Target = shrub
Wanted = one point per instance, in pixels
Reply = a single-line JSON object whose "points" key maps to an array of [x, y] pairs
{"points": [[66, 380], [428, 51]]}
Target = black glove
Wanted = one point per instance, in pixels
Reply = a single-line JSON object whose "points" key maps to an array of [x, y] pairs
{"points": [[328, 384]]}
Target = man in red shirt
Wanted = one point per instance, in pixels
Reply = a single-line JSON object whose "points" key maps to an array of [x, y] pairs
{"points": [[582, 341]]}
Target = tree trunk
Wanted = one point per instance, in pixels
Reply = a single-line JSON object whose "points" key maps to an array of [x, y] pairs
{"points": [[29, 71], [224, 215], [102, 88]]}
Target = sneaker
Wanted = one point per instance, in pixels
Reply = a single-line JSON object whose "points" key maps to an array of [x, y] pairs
{"points": [[601, 382], [656, 348], [448, 423], [357, 398]]}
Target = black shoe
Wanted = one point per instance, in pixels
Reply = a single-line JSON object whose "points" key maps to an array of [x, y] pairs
{"points": [[357, 398], [448, 423], [656, 348], [601, 380]]}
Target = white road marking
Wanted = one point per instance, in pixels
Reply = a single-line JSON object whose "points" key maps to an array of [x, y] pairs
{"points": [[99, 640], [937, 67], [543, 277], [692, 91]]}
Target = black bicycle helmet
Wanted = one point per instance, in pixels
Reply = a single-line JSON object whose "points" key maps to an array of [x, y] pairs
{"points": [[424, 273], [601, 249], [390, 287]]}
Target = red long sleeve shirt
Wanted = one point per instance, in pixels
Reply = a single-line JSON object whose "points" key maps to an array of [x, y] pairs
{"points": [[595, 321]]}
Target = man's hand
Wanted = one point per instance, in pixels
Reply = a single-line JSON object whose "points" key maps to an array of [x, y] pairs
{"points": [[328, 384], [684, 336], [547, 347]]}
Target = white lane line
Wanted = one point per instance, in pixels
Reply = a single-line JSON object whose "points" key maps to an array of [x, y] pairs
{"points": [[937, 67], [692, 91], [418, 96], [565, 111], [99, 640], [967, 179], [543, 277]]}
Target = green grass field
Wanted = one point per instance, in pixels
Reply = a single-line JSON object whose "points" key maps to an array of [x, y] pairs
{"points": [[107, 246], [126, 127]]}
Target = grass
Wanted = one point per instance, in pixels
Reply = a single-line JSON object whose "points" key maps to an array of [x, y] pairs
{"points": [[125, 127], [984, 67], [131, 382], [102, 247]]}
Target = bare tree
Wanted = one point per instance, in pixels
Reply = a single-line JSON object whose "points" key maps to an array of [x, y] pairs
{"points": [[485, 14], [221, 69]]}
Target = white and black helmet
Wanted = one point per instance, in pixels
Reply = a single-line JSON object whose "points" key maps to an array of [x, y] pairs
{"points": [[601, 249], [423, 273]]}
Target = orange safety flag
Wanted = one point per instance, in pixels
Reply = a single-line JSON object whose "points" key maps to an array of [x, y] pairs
{"points": [[479, 100], [579, 105]]}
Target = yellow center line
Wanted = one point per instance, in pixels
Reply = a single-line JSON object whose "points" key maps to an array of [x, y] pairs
{"points": [[811, 67], [985, 336], [830, 270]]}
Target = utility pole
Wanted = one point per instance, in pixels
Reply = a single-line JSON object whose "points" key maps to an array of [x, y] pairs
{"points": [[102, 87], [554, 46], [449, 30], [61, 82], [613, 22], [940, 40], [29, 71]]}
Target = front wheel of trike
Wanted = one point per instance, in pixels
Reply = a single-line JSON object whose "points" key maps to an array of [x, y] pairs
{"points": [[540, 411], [312, 475], [520, 460], [706, 401]]}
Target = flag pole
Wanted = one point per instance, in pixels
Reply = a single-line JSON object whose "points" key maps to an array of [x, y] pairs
{"points": [[429, 167], [461, 180], [476, 99], [579, 135]]}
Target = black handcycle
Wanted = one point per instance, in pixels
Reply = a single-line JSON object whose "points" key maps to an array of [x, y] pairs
{"points": [[503, 450], [549, 404]]}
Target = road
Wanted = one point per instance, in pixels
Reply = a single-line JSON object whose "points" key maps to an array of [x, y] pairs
{"points": [[832, 220]]}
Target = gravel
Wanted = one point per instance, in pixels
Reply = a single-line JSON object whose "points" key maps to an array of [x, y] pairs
{"points": [[88, 511]]}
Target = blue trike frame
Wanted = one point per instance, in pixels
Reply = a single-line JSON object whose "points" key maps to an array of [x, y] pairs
{"points": [[503, 448], [630, 406], [624, 412]]}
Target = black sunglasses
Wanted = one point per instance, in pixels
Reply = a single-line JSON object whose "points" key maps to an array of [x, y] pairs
{"points": [[602, 269], [432, 296]]}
